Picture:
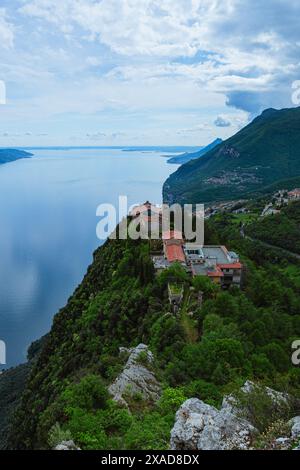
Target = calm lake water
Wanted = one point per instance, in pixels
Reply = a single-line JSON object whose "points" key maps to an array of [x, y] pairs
{"points": [[48, 228]]}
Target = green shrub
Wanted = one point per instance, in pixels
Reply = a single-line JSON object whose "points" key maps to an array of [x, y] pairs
{"points": [[261, 409], [171, 400], [89, 394], [205, 391], [57, 435]]}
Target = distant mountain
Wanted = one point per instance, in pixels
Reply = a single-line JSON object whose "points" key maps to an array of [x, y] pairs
{"points": [[10, 155], [160, 149], [186, 157], [265, 152]]}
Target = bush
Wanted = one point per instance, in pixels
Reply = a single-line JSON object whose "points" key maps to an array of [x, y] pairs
{"points": [[151, 431], [171, 400], [101, 429], [205, 391], [277, 429], [58, 435], [89, 394], [261, 409]]}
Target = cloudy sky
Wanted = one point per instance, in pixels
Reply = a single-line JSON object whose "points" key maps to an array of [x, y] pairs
{"points": [[142, 72]]}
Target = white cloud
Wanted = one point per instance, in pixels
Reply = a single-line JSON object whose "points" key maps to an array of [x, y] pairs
{"points": [[195, 130], [147, 66], [6, 31], [222, 121], [93, 61], [243, 46]]}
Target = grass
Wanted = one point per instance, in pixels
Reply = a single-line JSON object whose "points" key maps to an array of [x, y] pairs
{"points": [[175, 289], [187, 323], [244, 218]]}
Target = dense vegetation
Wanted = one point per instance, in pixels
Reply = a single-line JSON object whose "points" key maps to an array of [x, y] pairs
{"points": [[280, 230], [263, 153], [236, 335], [12, 384]]}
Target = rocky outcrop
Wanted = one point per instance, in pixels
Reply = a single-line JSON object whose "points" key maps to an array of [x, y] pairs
{"points": [[200, 426], [278, 399], [137, 377], [295, 427], [66, 445]]}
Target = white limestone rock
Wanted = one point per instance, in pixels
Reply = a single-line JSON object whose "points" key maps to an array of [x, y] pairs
{"points": [[295, 427], [136, 378], [66, 445], [199, 426], [278, 398]]}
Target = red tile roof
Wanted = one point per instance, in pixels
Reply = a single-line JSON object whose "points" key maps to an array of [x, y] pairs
{"points": [[216, 273], [231, 266], [175, 253]]}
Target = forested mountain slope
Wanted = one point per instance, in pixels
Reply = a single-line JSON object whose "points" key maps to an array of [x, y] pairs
{"points": [[237, 335], [282, 230], [263, 153]]}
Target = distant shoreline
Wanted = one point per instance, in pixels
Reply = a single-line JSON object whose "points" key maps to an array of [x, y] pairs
{"points": [[11, 155], [125, 148]]}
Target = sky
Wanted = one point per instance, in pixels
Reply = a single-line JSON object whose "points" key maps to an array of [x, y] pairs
{"points": [[143, 72]]}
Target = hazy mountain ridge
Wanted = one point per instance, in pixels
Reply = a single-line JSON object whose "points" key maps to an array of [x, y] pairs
{"points": [[11, 155], [264, 152], [186, 157]]}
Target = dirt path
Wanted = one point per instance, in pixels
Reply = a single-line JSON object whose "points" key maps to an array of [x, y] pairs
{"points": [[187, 323]]}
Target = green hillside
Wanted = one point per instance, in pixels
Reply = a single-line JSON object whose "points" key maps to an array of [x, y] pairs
{"points": [[186, 157], [263, 153], [235, 335], [280, 230]]}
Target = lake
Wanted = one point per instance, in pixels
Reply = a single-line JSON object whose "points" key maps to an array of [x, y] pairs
{"points": [[48, 228]]}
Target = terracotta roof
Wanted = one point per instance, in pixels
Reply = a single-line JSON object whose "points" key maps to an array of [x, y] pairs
{"points": [[216, 273], [175, 253], [294, 192], [231, 266]]}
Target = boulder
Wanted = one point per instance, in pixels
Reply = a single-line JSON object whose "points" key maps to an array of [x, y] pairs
{"points": [[136, 377], [199, 426], [295, 427], [66, 445]]}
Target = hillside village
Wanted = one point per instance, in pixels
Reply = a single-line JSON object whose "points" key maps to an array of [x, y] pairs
{"points": [[280, 199], [216, 262], [272, 205]]}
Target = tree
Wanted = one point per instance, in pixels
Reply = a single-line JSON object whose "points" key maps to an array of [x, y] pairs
{"points": [[205, 285], [175, 273]]}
